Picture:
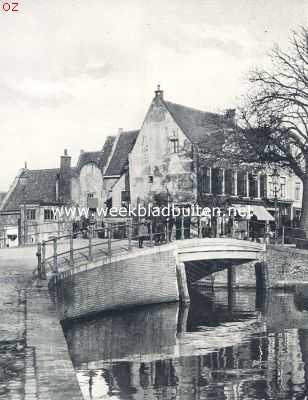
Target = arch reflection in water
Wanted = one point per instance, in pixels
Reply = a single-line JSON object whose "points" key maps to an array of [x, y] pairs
{"points": [[222, 347]]}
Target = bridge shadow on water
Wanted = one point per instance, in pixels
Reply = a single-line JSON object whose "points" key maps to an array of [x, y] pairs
{"points": [[237, 344]]}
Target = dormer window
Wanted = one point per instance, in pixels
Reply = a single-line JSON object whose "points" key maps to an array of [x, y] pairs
{"points": [[174, 143]]}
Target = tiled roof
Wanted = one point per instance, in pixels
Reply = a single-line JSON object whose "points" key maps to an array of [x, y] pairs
{"points": [[98, 157], [2, 196], [119, 159], [195, 123], [41, 187]]}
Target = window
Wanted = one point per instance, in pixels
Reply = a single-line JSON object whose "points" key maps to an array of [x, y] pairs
{"points": [[30, 214], [283, 186], [253, 185], [241, 184], [49, 214], [229, 188], [297, 190], [151, 178], [125, 198], [174, 143], [90, 195], [205, 180], [217, 178], [263, 185]]}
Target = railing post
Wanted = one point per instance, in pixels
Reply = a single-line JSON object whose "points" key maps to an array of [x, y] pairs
{"points": [[130, 231], [90, 255], [39, 261], [72, 249], [43, 260], [217, 226], [282, 237], [109, 242], [55, 257], [151, 233], [182, 227], [167, 231]]}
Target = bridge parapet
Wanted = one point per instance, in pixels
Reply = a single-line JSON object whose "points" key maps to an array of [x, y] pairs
{"points": [[219, 248]]}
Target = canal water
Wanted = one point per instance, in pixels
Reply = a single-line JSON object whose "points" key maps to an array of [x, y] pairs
{"points": [[225, 345]]}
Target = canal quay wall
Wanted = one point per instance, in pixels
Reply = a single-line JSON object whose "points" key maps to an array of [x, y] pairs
{"points": [[34, 359]]}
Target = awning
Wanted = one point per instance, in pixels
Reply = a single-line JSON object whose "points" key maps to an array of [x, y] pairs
{"points": [[259, 211]]}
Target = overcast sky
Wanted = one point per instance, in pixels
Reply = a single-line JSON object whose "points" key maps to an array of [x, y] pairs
{"points": [[74, 71]]}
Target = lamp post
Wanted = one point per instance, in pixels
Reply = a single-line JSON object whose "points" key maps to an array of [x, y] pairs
{"points": [[23, 183], [275, 182]]}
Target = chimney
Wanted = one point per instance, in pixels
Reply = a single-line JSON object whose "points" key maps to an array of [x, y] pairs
{"points": [[230, 114], [65, 178], [159, 94]]}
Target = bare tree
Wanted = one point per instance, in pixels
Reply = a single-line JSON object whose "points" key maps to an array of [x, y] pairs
{"points": [[274, 125]]}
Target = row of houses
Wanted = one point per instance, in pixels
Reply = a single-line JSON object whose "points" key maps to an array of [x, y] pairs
{"points": [[137, 166]]}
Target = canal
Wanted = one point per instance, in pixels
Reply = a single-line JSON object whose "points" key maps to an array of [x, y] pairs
{"points": [[225, 345]]}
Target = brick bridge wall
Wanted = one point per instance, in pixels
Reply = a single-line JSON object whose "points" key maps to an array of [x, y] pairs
{"points": [[282, 267], [147, 278], [286, 266], [244, 276]]}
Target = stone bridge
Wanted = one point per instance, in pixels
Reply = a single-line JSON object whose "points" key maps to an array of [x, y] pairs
{"points": [[147, 276]]}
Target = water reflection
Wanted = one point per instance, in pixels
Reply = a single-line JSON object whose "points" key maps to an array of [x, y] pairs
{"points": [[224, 346]]}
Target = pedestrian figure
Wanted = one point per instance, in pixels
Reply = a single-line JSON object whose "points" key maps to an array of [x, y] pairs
{"points": [[142, 232], [170, 223], [178, 228], [253, 226], [187, 223]]}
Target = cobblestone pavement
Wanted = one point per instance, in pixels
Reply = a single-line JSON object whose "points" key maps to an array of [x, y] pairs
{"points": [[34, 360], [14, 278]]}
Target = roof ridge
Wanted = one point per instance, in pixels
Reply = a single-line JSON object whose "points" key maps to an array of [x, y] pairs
{"points": [[92, 151], [192, 108], [41, 169], [130, 131]]}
